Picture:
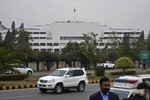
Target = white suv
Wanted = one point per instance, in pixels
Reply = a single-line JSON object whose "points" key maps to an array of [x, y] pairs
{"points": [[64, 78]]}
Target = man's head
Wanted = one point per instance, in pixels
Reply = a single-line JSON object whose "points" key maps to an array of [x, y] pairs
{"points": [[104, 85], [145, 87]]}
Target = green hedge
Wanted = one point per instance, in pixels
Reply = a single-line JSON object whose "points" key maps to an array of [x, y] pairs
{"points": [[121, 73], [99, 71], [13, 77]]}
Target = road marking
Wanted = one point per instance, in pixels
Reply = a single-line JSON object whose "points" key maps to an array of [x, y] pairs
{"points": [[5, 98]]}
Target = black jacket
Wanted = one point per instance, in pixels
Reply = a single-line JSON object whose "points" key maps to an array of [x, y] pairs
{"points": [[136, 97], [97, 96]]}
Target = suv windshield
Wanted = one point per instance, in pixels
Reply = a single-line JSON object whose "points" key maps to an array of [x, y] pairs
{"points": [[58, 73]]}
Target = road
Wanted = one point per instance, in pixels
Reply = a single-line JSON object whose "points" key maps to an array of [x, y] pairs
{"points": [[35, 94]]}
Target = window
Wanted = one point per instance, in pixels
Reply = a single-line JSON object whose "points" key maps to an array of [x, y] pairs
{"points": [[42, 32], [36, 44], [56, 44], [36, 49], [42, 44], [49, 49], [56, 50], [72, 38], [49, 44], [35, 37], [70, 73], [78, 72], [62, 44], [106, 32], [101, 44], [43, 49], [42, 37], [36, 33]]}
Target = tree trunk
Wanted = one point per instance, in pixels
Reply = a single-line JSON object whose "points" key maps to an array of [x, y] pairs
{"points": [[123, 71], [57, 64], [37, 64]]}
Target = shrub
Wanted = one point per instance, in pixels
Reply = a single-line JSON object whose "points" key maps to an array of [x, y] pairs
{"points": [[99, 71], [121, 72], [13, 77], [124, 62]]}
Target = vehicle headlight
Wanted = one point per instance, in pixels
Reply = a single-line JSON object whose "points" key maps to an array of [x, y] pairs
{"points": [[51, 81]]}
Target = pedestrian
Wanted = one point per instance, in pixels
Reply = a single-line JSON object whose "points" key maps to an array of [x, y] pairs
{"points": [[104, 93], [141, 93]]}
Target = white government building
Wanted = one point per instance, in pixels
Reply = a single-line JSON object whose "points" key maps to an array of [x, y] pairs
{"points": [[54, 36]]}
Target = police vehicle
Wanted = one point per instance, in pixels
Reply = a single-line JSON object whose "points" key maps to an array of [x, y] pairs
{"points": [[125, 85]]}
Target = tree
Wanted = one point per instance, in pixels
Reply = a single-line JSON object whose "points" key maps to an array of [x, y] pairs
{"points": [[88, 49], [124, 63], [23, 46], [9, 40], [125, 46], [13, 27], [147, 42], [21, 26], [48, 58], [6, 59], [70, 53]]}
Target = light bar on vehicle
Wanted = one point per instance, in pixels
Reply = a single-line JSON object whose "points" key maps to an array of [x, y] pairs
{"points": [[125, 80]]}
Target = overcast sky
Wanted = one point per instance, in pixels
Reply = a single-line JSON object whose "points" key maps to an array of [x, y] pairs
{"points": [[115, 13]]}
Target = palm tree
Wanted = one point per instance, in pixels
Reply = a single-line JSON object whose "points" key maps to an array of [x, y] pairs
{"points": [[6, 59]]}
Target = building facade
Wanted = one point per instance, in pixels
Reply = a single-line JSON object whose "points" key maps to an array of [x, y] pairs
{"points": [[54, 36]]}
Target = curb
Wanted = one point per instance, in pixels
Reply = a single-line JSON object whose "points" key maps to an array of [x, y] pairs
{"points": [[17, 87], [35, 86]]}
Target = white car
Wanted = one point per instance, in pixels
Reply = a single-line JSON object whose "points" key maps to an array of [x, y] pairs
{"points": [[125, 85], [64, 78], [106, 64], [23, 69]]}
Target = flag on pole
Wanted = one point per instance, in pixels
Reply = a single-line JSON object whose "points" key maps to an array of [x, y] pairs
{"points": [[74, 10], [106, 46]]}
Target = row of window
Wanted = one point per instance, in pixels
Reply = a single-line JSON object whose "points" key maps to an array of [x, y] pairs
{"points": [[44, 44], [37, 32], [119, 38], [55, 50], [71, 38], [122, 32]]}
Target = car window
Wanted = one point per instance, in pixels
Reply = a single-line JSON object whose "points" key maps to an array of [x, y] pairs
{"points": [[59, 73], [70, 73], [122, 94], [78, 72]]}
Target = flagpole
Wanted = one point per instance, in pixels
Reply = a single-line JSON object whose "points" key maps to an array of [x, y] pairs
{"points": [[75, 14]]}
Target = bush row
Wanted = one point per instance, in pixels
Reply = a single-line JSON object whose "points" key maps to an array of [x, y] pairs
{"points": [[13, 77], [121, 73]]}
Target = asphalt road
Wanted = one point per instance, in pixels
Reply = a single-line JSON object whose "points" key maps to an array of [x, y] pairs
{"points": [[35, 94]]}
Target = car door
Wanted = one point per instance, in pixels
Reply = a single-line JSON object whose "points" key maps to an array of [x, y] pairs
{"points": [[22, 69], [69, 79]]}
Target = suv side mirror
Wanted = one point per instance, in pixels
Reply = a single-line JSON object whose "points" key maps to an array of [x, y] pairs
{"points": [[66, 76]]}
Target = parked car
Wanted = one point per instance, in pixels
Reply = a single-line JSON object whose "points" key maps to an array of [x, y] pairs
{"points": [[63, 78], [23, 69], [106, 64]]}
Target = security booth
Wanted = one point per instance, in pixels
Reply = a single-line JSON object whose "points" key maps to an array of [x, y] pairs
{"points": [[145, 57]]}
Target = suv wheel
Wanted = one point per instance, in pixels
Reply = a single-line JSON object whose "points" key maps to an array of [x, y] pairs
{"points": [[113, 67], [58, 89], [29, 73], [81, 87], [42, 90], [106, 67]]}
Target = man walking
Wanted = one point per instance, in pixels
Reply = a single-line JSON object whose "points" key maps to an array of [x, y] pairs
{"points": [[104, 93]]}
